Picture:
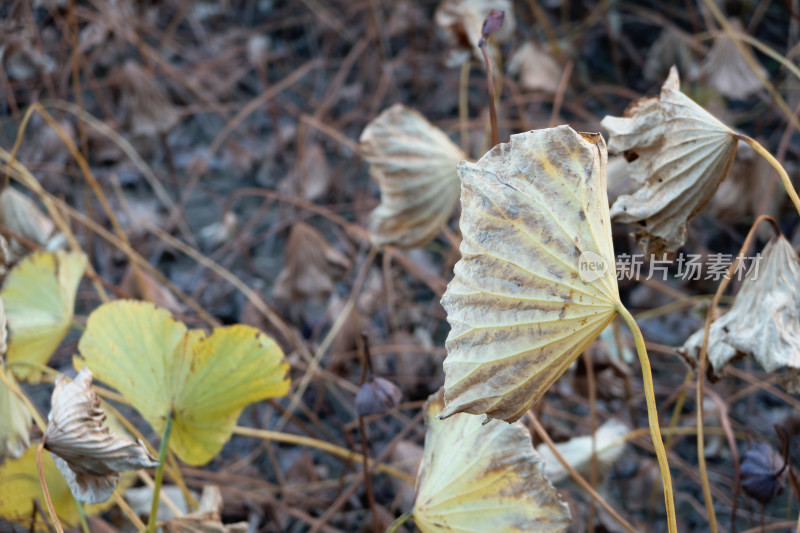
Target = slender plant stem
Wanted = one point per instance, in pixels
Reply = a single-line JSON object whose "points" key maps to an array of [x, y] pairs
{"points": [[652, 417], [403, 518], [82, 516], [763, 152], [162, 458], [490, 86], [463, 106], [702, 357], [47, 499], [366, 370]]}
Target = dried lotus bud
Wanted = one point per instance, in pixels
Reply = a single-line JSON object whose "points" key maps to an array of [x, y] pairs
{"points": [[763, 473], [377, 396]]}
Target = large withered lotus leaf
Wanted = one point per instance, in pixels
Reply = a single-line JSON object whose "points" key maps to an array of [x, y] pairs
{"points": [[679, 153], [414, 163], [536, 282], [483, 477], [764, 320]]}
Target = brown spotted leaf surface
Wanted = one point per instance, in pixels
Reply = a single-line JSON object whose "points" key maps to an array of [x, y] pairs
{"points": [[521, 306], [414, 163], [483, 477], [764, 320], [679, 153]]}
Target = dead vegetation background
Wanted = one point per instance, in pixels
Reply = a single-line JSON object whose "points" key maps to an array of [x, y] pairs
{"points": [[223, 135]]}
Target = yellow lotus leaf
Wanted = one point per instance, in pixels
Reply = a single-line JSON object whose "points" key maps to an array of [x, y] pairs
{"points": [[483, 477], [39, 297], [164, 370], [15, 422], [679, 153], [19, 487], [414, 163], [536, 281], [764, 320]]}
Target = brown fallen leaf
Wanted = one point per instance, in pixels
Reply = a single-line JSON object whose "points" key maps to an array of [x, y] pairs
{"points": [[311, 177], [149, 112], [726, 69], [85, 452], [537, 69], [764, 320], [312, 266], [536, 281], [679, 153], [462, 21], [207, 517], [414, 163], [142, 286], [668, 50], [483, 477]]}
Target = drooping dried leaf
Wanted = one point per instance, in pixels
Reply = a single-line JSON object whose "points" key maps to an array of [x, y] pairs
{"points": [[89, 457], [764, 320], [483, 477], [20, 488], [763, 475], [311, 177], [679, 153], [462, 22], [735, 199], [578, 451], [39, 297], [525, 301], [538, 70], [414, 163], [726, 69], [312, 266], [164, 369]]}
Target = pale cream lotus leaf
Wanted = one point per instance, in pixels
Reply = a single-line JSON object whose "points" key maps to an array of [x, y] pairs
{"points": [[312, 266], [536, 281], [727, 70], [679, 153], [414, 163], [21, 215], [207, 517], [462, 23], [764, 320], [89, 457], [483, 477], [609, 445], [537, 69]]}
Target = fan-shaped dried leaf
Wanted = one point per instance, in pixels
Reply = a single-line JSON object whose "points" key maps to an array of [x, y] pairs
{"points": [[536, 282], [609, 445], [669, 49], [763, 473], [728, 71], [538, 70], [462, 22], [414, 163], [680, 154], [483, 477], [164, 369], [85, 452], [312, 266], [764, 321]]}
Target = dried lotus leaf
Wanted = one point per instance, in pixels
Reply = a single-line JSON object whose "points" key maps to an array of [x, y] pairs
{"points": [[764, 320], [536, 282], [414, 163], [483, 477], [679, 153]]}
